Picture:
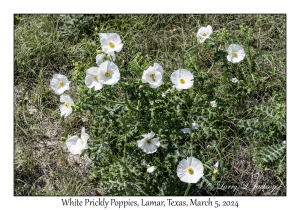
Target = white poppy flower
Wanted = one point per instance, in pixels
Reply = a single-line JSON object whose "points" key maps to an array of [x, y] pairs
{"points": [[190, 170], [76, 145], [204, 33], [151, 169], [186, 130], [213, 103], [195, 125], [66, 109], [110, 43], [234, 80], [153, 76], [109, 73], [182, 79], [149, 144], [235, 53], [59, 84], [92, 78], [100, 58]]}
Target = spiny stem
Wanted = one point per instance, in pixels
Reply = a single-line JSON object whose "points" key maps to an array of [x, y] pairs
{"points": [[210, 68], [187, 189], [128, 104], [191, 139], [140, 189], [128, 171]]}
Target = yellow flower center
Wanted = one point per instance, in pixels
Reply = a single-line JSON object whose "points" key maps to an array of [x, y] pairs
{"points": [[111, 44], [82, 141], [152, 76], [204, 34], [190, 170], [67, 105], [148, 141], [107, 74], [96, 78], [181, 81], [61, 83], [234, 54]]}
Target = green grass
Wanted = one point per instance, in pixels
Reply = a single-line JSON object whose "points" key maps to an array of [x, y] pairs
{"points": [[67, 44]]}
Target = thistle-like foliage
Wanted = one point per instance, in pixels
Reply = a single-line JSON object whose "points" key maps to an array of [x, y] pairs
{"points": [[273, 156]]}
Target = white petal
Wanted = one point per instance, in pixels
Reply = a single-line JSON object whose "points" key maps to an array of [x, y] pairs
{"points": [[196, 164], [155, 142], [62, 89], [186, 74], [151, 149], [175, 77], [237, 59], [185, 130], [234, 80], [213, 103], [118, 47], [151, 135], [89, 81], [63, 110], [187, 85], [71, 101], [84, 135], [98, 85], [158, 68], [63, 98], [68, 111], [195, 125], [141, 143], [93, 71], [182, 168], [229, 58], [85, 146], [73, 146], [99, 59], [216, 165], [209, 29], [54, 84], [151, 169]]}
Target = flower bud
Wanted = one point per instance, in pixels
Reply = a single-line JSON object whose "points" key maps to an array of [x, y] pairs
{"points": [[215, 172]]}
